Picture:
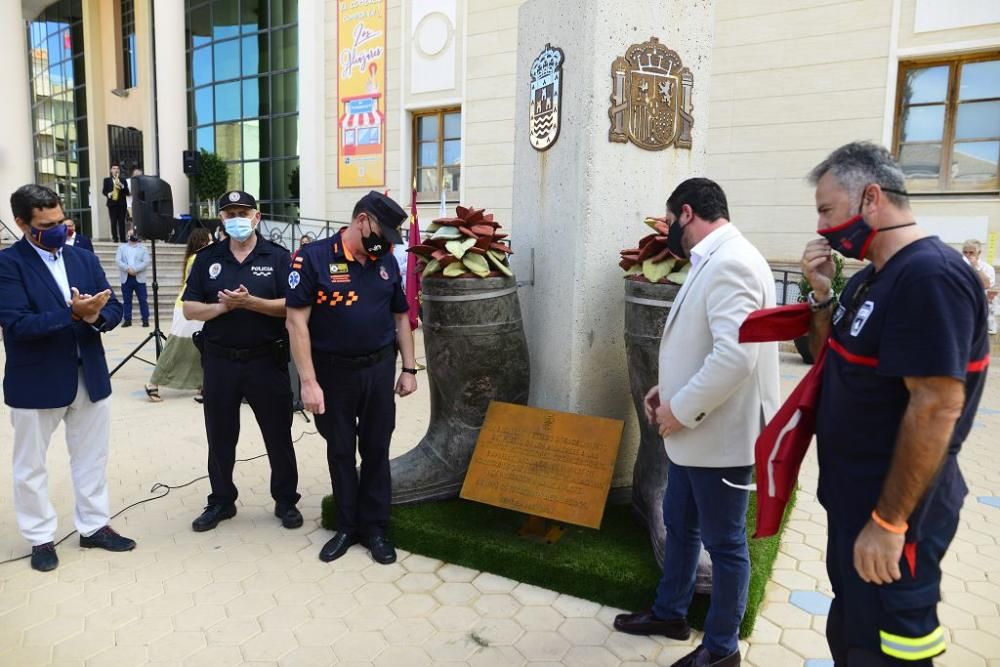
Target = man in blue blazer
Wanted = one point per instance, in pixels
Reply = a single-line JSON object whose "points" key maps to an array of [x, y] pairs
{"points": [[55, 303], [75, 238]]}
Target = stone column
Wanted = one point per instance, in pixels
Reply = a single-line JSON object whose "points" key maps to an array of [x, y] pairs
{"points": [[584, 199], [172, 136], [17, 160]]}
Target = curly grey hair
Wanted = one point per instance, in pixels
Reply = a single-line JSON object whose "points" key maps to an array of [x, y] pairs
{"points": [[859, 164]]}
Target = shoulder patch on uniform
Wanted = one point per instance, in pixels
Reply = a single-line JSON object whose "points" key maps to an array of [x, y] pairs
{"points": [[294, 279], [214, 270]]}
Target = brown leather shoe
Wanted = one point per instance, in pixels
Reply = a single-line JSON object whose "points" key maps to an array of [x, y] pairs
{"points": [[700, 657], [646, 623]]}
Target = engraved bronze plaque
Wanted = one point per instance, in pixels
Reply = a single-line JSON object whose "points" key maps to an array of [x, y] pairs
{"points": [[556, 465], [651, 98]]}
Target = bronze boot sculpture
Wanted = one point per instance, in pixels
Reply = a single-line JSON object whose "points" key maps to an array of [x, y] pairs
{"points": [[476, 352]]}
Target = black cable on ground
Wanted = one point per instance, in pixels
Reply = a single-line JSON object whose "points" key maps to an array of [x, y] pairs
{"points": [[156, 487]]}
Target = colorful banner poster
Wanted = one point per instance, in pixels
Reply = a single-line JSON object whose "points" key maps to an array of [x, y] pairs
{"points": [[361, 93]]}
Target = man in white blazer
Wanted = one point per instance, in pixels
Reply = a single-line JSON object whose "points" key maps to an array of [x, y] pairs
{"points": [[713, 398]]}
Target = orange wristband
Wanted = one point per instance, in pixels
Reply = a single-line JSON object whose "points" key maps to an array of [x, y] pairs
{"points": [[892, 528]]}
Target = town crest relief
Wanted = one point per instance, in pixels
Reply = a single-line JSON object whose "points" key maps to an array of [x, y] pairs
{"points": [[651, 98], [546, 89]]}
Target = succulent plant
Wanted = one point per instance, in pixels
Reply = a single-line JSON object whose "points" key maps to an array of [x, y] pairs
{"points": [[468, 244], [652, 261]]}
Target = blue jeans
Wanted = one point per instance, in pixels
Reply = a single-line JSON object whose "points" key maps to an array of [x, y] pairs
{"points": [[130, 286], [699, 507]]}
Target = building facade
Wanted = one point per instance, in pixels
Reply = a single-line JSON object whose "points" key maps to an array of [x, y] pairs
{"points": [[310, 113]]}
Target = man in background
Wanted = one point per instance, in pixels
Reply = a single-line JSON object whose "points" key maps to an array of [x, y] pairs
{"points": [[115, 191], [972, 250], [75, 238], [133, 260]]}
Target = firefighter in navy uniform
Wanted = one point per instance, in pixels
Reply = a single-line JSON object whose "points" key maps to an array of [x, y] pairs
{"points": [[346, 317], [237, 287], [903, 376]]}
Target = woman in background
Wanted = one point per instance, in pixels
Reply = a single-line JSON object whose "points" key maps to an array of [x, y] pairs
{"points": [[179, 365]]}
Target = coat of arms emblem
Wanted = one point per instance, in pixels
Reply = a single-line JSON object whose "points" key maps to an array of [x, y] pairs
{"points": [[651, 98], [546, 87]]}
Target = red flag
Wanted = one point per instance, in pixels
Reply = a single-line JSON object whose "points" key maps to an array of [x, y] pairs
{"points": [[412, 276], [783, 443]]}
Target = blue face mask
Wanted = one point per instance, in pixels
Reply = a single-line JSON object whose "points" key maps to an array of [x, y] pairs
{"points": [[239, 228], [52, 238]]}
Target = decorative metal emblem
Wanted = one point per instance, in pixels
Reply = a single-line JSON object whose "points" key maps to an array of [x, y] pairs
{"points": [[651, 98], [546, 88]]}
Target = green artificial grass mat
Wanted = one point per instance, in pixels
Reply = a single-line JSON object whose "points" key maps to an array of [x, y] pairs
{"points": [[614, 565]]}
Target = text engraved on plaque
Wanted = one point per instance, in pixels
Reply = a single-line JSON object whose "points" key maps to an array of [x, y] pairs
{"points": [[551, 464]]}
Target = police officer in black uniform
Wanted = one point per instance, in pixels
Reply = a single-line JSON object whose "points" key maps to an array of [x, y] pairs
{"points": [[346, 317], [237, 287]]}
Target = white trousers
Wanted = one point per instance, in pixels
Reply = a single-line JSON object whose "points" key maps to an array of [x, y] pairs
{"points": [[88, 427]]}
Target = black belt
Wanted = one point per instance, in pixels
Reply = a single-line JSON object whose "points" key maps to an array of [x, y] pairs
{"points": [[239, 354], [360, 361]]}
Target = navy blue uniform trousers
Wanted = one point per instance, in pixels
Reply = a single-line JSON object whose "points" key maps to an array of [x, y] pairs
{"points": [[865, 619], [264, 382], [360, 417]]}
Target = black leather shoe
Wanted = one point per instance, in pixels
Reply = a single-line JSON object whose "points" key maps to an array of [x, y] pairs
{"points": [[44, 558], [126, 324], [145, 324], [211, 517], [382, 550], [337, 547], [646, 623], [106, 538], [700, 657], [289, 515]]}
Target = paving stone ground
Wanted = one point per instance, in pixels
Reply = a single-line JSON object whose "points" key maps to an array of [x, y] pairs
{"points": [[253, 593]]}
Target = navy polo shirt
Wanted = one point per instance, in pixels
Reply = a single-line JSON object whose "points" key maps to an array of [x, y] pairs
{"points": [[352, 303], [264, 273], [923, 315]]}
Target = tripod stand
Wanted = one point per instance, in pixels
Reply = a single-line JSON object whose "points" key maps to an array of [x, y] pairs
{"points": [[154, 335]]}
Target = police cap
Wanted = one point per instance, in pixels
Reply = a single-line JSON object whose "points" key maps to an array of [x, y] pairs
{"points": [[387, 212], [237, 198]]}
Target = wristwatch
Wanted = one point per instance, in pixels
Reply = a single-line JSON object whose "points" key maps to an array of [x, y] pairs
{"points": [[816, 306], [411, 371]]}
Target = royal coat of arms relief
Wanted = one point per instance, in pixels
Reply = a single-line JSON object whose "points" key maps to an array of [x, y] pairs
{"points": [[651, 98]]}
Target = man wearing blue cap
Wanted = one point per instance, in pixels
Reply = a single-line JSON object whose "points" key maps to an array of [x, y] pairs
{"points": [[346, 318]]}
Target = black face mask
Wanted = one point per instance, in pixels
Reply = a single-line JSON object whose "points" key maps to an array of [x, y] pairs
{"points": [[374, 244], [675, 237]]}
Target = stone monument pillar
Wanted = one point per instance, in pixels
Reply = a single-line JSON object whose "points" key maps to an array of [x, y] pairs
{"points": [[583, 199]]}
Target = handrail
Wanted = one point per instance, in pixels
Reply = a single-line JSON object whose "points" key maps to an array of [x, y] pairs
{"points": [[11, 231]]}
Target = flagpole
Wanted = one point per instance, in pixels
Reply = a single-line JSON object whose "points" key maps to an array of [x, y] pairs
{"points": [[412, 275]]}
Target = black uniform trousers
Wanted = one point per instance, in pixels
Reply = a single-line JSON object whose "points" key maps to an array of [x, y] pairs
{"points": [[264, 382], [360, 417], [118, 229]]}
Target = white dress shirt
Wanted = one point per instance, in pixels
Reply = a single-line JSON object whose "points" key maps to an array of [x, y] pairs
{"points": [[57, 267], [705, 246]]}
